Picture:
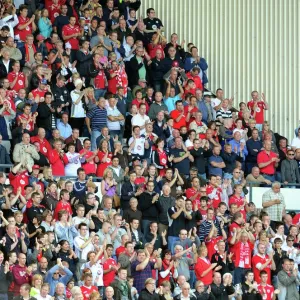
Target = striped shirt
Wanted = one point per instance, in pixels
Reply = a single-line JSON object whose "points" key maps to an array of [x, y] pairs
{"points": [[98, 117], [224, 114]]}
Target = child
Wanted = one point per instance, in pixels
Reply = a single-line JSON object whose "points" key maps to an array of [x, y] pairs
{"points": [[239, 128], [243, 108], [134, 292]]}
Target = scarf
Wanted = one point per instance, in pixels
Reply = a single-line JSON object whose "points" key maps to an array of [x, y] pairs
{"points": [[27, 51]]}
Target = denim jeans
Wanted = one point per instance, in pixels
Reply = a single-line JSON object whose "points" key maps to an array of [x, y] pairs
{"points": [[239, 275], [269, 177], [145, 227], [3, 297], [171, 242], [95, 134], [203, 176], [99, 93]]}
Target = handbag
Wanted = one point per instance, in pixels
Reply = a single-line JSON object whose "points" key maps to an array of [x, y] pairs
{"points": [[117, 201]]}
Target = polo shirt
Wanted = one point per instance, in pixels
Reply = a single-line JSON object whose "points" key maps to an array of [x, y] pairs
{"points": [[98, 117], [114, 112], [181, 123], [214, 170], [170, 102], [183, 166], [69, 30], [263, 157], [139, 120]]}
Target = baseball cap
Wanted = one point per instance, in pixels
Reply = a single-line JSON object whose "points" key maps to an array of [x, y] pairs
{"points": [[35, 167]]}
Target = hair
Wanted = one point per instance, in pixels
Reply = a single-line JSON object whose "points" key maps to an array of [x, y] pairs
{"points": [[61, 213]]}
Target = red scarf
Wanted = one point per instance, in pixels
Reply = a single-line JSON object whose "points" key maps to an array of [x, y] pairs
{"points": [[27, 51]]}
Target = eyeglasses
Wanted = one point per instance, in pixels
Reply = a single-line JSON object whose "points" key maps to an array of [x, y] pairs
{"points": [[291, 154], [202, 191], [290, 240]]}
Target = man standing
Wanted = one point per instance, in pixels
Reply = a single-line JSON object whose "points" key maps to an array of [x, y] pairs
{"points": [[141, 119], [121, 286], [95, 120], [177, 216], [273, 203], [178, 115], [289, 169], [216, 163], [257, 108], [289, 280], [157, 106], [181, 158], [264, 288], [254, 146], [267, 161], [262, 262], [222, 290]]}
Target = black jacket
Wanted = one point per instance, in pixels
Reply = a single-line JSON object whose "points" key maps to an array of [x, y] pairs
{"points": [[3, 71], [160, 131], [127, 192], [157, 71], [133, 69], [146, 295], [222, 292], [254, 295], [5, 280], [44, 118], [148, 209], [140, 243], [83, 61], [61, 96], [204, 296], [227, 267]]}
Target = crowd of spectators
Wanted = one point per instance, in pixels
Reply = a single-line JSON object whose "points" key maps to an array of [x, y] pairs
{"points": [[128, 177]]}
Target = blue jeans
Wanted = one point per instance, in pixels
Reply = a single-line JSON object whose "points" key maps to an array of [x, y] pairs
{"points": [[171, 242], [192, 280], [3, 297], [145, 227], [95, 134], [203, 176], [269, 177], [99, 93], [239, 275]]}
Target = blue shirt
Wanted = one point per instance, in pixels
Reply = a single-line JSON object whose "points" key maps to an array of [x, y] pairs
{"points": [[65, 130], [183, 166], [215, 170], [170, 102], [98, 117], [236, 144], [203, 108]]}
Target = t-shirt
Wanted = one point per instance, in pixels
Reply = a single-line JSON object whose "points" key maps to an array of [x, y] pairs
{"points": [[20, 83], [86, 291], [182, 122], [261, 106], [182, 166], [110, 276], [266, 291], [239, 201], [68, 30], [257, 262], [19, 180], [89, 167], [22, 33]]}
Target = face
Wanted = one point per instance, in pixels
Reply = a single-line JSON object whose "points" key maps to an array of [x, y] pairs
{"points": [[109, 292], [250, 277]]}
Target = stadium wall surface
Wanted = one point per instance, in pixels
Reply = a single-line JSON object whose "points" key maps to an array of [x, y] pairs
{"points": [[249, 45]]}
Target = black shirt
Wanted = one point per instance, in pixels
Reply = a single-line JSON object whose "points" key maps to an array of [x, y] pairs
{"points": [[177, 224]]}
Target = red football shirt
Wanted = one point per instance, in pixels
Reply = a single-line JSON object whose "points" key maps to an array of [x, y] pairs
{"points": [[266, 291], [261, 106], [257, 261], [239, 201], [217, 197], [69, 30], [20, 83], [109, 277], [19, 180], [263, 157], [23, 32], [182, 122], [86, 291]]}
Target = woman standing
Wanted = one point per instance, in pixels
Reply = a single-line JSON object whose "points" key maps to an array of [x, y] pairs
{"points": [[108, 184], [239, 200], [74, 161], [51, 197], [44, 24], [78, 109], [104, 158], [160, 157], [203, 267]]}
